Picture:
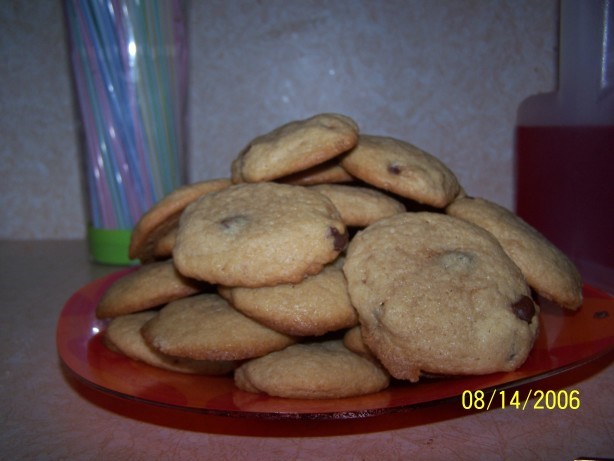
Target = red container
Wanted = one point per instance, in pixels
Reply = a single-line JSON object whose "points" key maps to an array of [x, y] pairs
{"points": [[565, 145], [565, 189]]}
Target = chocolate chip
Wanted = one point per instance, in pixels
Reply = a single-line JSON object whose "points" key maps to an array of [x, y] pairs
{"points": [[340, 240], [524, 309], [601, 315], [232, 222], [394, 169]]}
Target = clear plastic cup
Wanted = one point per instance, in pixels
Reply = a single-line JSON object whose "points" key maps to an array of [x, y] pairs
{"points": [[130, 71]]}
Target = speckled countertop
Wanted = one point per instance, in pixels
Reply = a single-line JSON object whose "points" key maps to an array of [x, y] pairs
{"points": [[45, 413]]}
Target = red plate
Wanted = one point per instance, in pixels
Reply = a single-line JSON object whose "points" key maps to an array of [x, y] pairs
{"points": [[566, 340]]}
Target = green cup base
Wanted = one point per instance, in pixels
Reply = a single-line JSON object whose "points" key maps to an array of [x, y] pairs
{"points": [[110, 246]]}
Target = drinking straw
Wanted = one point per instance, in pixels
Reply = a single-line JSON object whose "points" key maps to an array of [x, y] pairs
{"points": [[129, 67]]}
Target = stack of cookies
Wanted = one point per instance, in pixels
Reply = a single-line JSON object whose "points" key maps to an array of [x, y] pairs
{"points": [[330, 262]]}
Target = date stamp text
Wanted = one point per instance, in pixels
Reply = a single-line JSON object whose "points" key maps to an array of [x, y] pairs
{"points": [[533, 400]]}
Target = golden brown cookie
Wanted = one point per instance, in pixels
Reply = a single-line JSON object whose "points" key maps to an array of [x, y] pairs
{"points": [[149, 286], [352, 339], [124, 335], [318, 304], [295, 146], [437, 294], [261, 234], [163, 247], [547, 269], [397, 166], [206, 327], [163, 217], [325, 173], [319, 370], [360, 206]]}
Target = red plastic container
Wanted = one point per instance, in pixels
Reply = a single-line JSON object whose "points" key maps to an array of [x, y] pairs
{"points": [[565, 145]]}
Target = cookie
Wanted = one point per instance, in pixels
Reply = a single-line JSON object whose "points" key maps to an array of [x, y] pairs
{"points": [[206, 327], [325, 173], [352, 339], [124, 335], [317, 305], [163, 217], [254, 402], [293, 147], [547, 269], [163, 246], [360, 206], [439, 295], [319, 370], [261, 234], [149, 286], [399, 167]]}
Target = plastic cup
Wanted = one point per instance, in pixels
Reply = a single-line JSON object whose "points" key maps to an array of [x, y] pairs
{"points": [[129, 67]]}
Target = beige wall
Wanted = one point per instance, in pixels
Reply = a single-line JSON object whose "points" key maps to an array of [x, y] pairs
{"points": [[446, 75]]}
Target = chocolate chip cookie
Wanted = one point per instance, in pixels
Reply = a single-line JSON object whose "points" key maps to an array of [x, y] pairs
{"points": [[329, 172], [124, 335], [319, 370], [547, 269], [261, 234], [151, 285], [206, 327], [295, 146], [163, 218], [360, 206], [397, 166], [317, 305], [437, 294]]}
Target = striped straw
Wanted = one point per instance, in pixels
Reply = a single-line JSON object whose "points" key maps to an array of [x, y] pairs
{"points": [[129, 62]]}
